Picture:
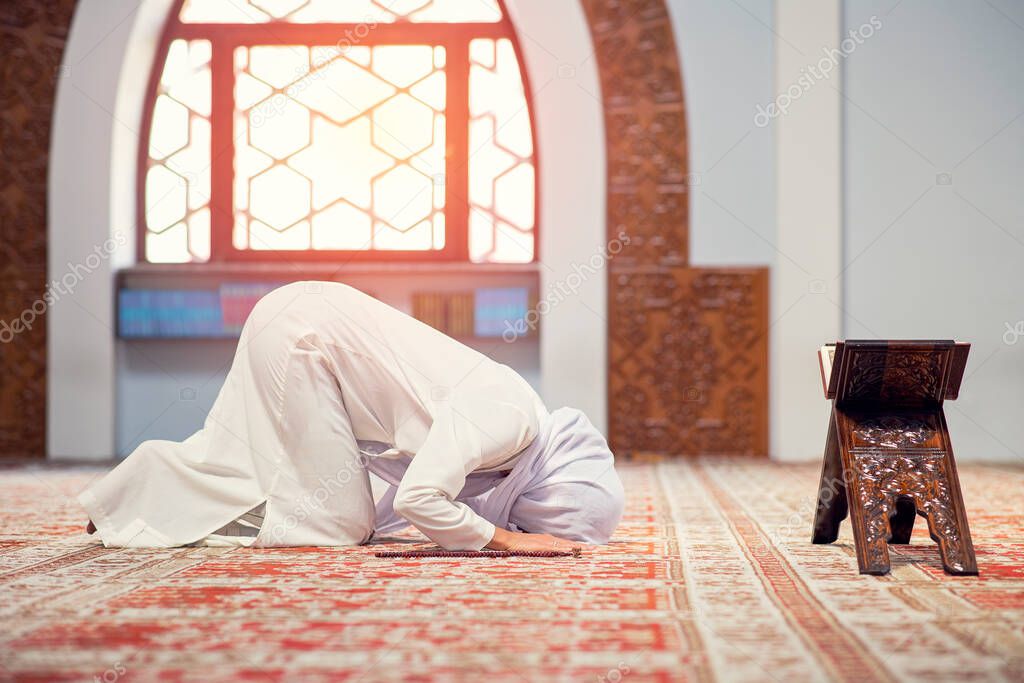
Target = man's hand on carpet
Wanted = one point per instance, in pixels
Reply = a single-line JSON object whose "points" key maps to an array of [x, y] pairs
{"points": [[517, 540]]}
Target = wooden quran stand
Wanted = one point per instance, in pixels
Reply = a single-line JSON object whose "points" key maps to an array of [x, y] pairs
{"points": [[888, 456]]}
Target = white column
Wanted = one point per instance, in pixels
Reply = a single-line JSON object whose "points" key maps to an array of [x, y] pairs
{"points": [[559, 56], [91, 224], [806, 295]]}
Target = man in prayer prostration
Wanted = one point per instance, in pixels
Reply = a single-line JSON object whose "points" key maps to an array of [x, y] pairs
{"points": [[329, 385]]}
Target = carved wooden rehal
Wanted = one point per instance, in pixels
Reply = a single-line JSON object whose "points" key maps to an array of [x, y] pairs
{"points": [[687, 347], [888, 457]]}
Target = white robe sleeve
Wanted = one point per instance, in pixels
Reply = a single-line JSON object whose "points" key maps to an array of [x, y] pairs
{"points": [[463, 438]]}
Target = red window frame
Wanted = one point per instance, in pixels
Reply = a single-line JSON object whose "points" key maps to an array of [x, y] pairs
{"points": [[225, 37]]}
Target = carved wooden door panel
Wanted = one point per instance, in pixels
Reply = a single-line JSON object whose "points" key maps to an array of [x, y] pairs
{"points": [[688, 361], [32, 37], [687, 347]]}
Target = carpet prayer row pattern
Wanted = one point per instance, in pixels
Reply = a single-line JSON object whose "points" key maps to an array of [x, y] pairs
{"points": [[710, 577]]}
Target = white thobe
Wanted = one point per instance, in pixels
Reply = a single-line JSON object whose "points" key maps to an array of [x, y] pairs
{"points": [[320, 367]]}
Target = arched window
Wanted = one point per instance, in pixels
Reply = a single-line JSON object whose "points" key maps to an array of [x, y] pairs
{"points": [[338, 130]]}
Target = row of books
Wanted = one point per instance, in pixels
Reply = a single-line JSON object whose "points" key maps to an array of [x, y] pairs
{"points": [[449, 312], [221, 313], [145, 313], [237, 301], [484, 312], [197, 313]]}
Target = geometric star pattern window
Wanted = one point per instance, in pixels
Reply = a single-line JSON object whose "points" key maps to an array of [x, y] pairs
{"points": [[338, 130]]}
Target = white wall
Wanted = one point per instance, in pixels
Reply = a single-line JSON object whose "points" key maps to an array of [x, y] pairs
{"points": [[766, 191], [91, 177], [806, 297], [869, 240], [940, 90], [726, 50], [555, 40]]}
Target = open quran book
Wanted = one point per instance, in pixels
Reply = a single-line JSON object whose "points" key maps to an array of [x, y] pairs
{"points": [[826, 356], [829, 354]]}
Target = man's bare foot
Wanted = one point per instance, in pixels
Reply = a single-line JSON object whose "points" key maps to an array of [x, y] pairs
{"points": [[91, 529]]}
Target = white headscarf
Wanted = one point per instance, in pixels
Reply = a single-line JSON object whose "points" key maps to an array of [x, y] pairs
{"points": [[563, 484]]}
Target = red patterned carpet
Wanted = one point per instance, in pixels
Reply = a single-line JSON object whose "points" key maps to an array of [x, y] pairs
{"points": [[710, 578]]}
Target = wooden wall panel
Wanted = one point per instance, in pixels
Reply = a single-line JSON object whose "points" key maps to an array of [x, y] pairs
{"points": [[687, 348], [32, 37], [688, 351]]}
